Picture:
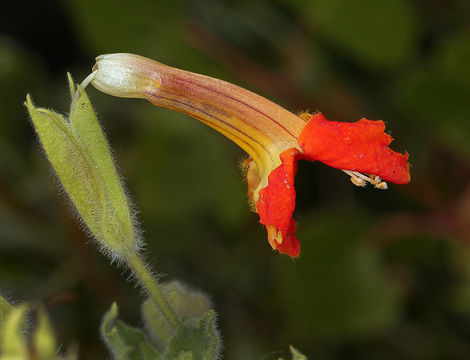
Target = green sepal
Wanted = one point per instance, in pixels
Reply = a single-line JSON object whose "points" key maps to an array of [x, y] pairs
{"points": [[44, 342], [198, 339], [125, 342], [40, 345], [296, 354], [79, 153], [84, 124], [5, 309], [186, 303], [14, 345]]}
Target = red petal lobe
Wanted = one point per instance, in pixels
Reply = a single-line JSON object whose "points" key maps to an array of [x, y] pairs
{"points": [[360, 146], [276, 204]]}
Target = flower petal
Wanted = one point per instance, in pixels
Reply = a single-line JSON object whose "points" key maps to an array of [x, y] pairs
{"points": [[276, 204], [361, 146]]}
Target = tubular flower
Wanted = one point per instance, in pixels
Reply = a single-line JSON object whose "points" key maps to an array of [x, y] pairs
{"points": [[274, 138]]}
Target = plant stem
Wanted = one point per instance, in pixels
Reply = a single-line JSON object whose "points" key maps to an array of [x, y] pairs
{"points": [[148, 281]]}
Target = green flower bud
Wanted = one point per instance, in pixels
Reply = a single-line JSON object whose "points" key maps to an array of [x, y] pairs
{"points": [[44, 342], [188, 304], [13, 344], [5, 309], [79, 153]]}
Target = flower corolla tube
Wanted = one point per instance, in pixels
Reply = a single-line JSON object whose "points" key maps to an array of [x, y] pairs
{"points": [[274, 138]]}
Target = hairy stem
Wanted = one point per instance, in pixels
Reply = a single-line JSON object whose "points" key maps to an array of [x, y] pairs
{"points": [[145, 277]]}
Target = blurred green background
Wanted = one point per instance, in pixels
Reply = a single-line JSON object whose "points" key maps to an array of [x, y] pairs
{"points": [[382, 275]]}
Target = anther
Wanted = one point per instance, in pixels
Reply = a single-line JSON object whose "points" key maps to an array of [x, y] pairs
{"points": [[360, 179]]}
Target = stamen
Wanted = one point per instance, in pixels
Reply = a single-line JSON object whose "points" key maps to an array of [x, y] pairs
{"points": [[274, 236], [378, 183], [383, 186], [305, 116], [360, 179]]}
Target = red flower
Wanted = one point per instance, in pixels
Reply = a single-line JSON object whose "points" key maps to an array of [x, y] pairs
{"points": [[273, 137], [355, 148]]}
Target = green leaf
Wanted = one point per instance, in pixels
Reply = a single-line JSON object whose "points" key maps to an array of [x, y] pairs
{"points": [[185, 355], [125, 342], [186, 303], [149, 352], [79, 154], [14, 344], [199, 337]]}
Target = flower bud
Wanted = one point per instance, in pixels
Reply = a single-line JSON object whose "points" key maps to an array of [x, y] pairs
{"points": [[78, 151], [124, 75]]}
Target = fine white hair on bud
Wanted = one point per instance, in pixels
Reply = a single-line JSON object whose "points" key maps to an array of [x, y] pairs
{"points": [[79, 153]]}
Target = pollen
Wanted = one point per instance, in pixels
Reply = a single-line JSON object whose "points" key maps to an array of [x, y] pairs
{"points": [[360, 179]]}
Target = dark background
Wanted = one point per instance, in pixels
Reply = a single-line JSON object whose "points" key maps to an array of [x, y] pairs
{"points": [[382, 275]]}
